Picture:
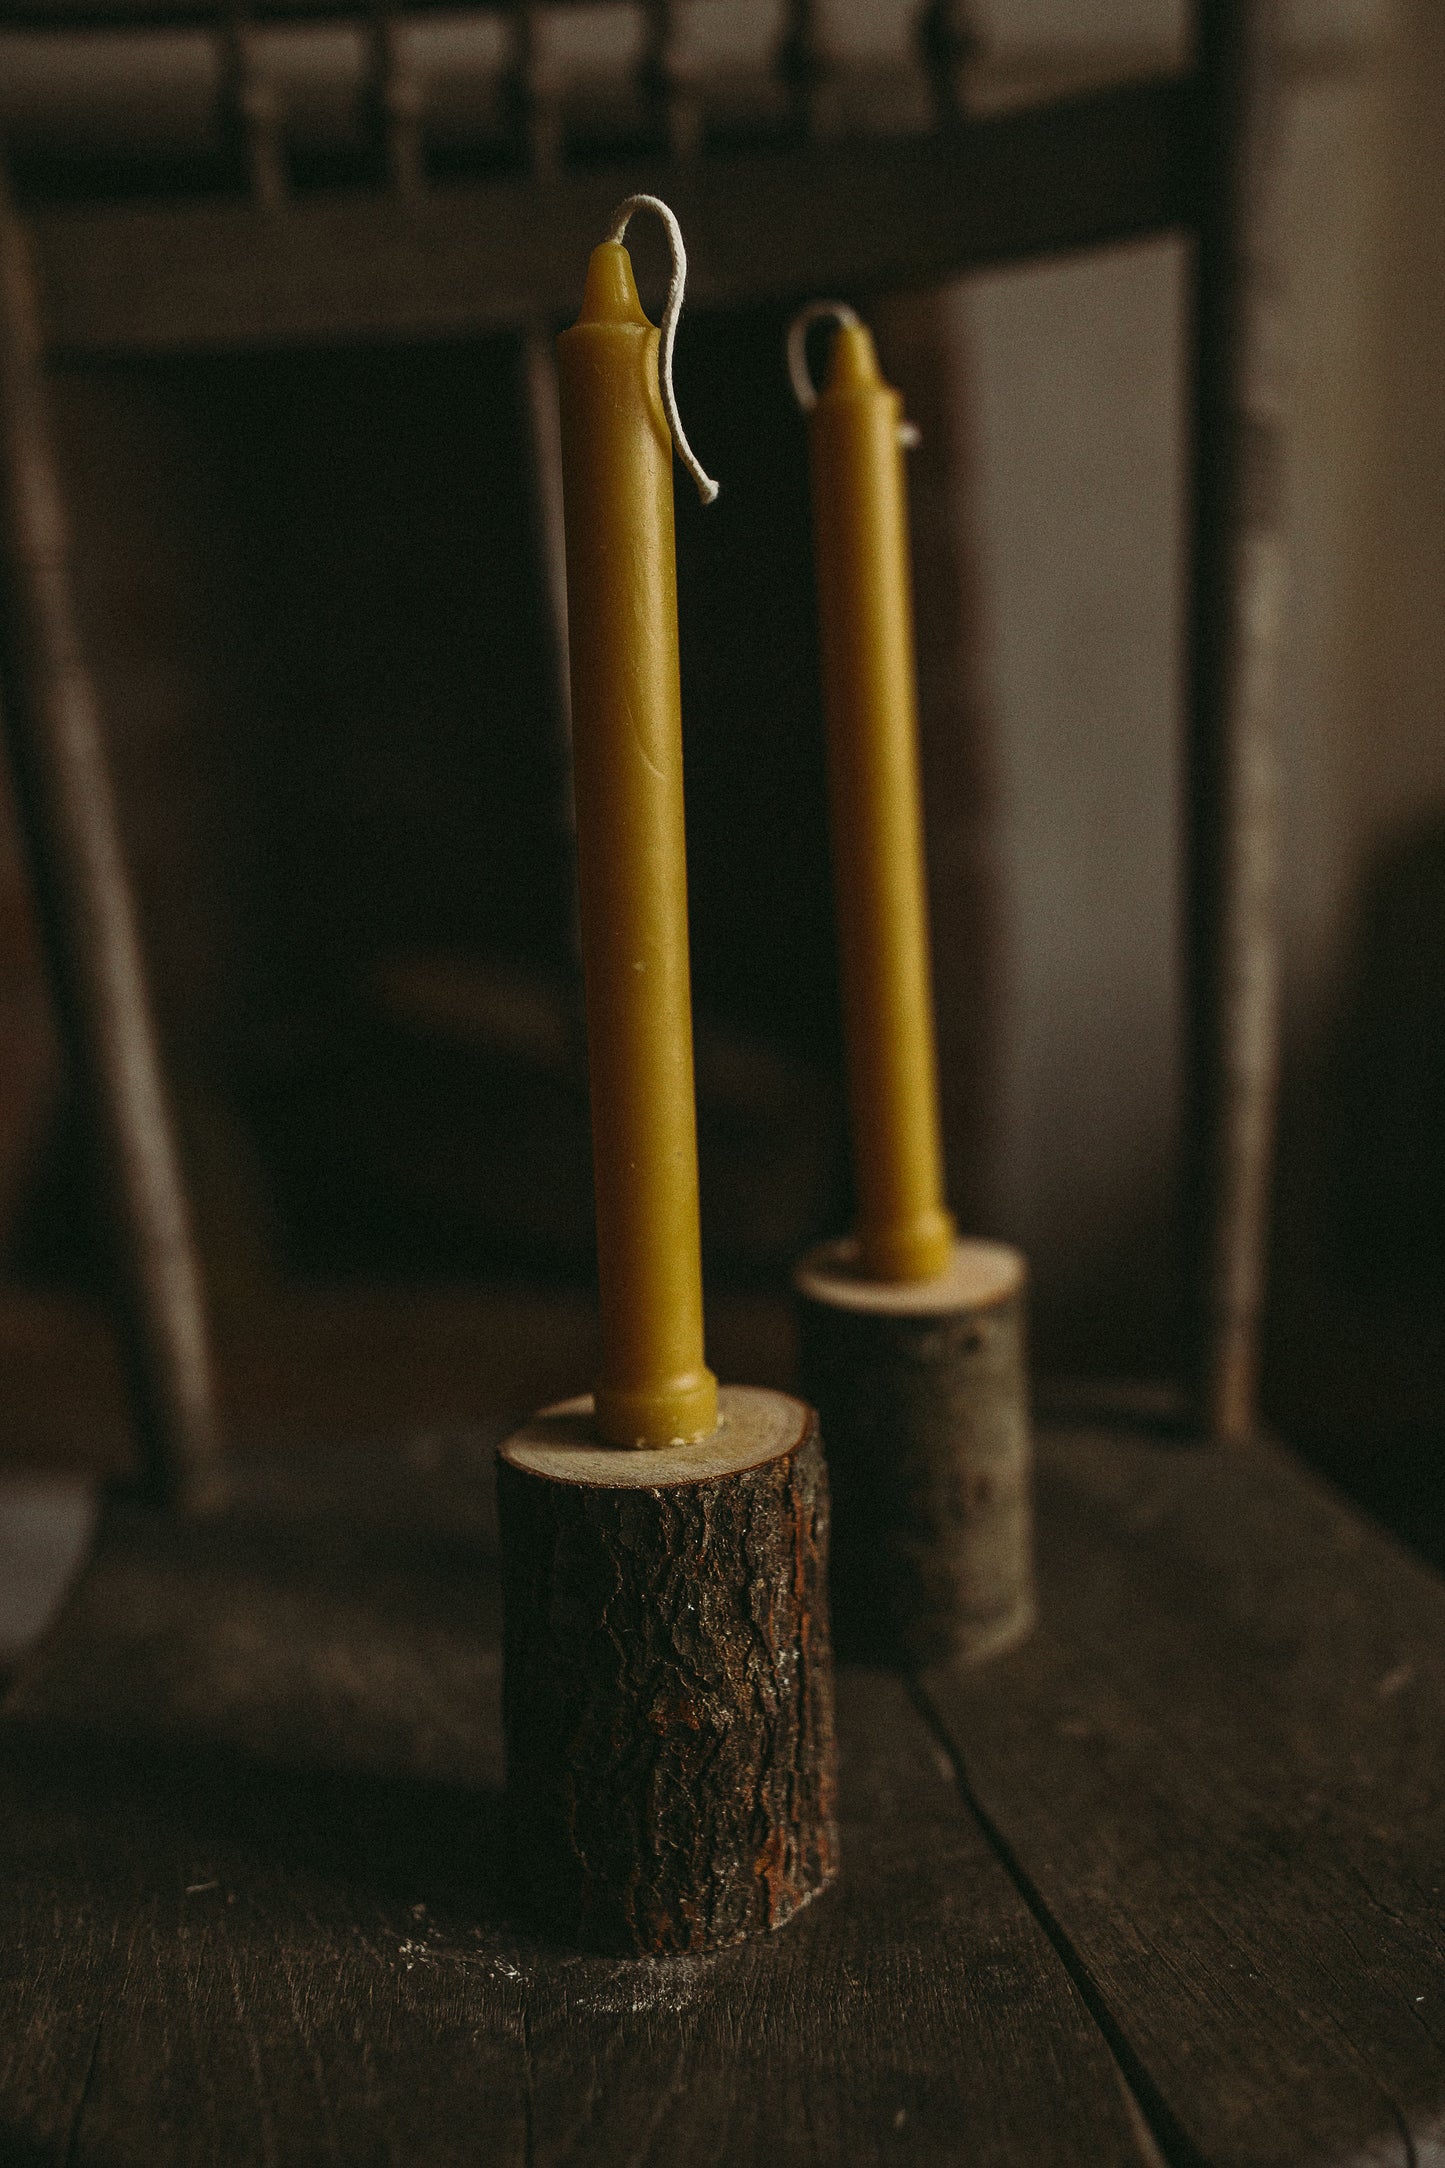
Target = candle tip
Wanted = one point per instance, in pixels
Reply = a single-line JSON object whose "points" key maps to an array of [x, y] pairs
{"points": [[853, 361], [610, 295]]}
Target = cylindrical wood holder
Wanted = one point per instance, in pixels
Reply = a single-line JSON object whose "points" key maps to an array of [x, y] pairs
{"points": [[922, 1389], [668, 1677]]}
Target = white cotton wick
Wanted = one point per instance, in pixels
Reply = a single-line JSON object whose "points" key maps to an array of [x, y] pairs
{"points": [[707, 488], [805, 391]]}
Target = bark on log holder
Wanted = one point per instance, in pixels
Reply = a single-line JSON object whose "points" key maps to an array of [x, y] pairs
{"points": [[922, 1389], [668, 1680]]}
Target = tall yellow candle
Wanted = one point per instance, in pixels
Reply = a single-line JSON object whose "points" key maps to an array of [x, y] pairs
{"points": [[860, 517], [655, 1388]]}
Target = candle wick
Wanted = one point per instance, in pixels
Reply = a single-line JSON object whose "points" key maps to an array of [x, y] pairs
{"points": [[805, 391], [707, 488]]}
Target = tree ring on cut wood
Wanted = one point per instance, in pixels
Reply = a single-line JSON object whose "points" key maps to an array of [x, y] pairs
{"points": [[668, 1677], [923, 1392]]}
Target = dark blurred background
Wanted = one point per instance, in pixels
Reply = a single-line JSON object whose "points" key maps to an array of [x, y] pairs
{"points": [[314, 595]]}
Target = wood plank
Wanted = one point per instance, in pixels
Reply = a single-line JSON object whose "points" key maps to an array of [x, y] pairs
{"points": [[1219, 1767], [253, 1910], [216, 274]]}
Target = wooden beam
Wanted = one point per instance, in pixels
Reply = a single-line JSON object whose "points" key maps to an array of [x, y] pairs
{"points": [[202, 14], [215, 275]]}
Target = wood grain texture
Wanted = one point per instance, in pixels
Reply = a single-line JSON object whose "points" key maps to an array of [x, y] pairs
{"points": [[190, 275], [1219, 1768], [250, 1811]]}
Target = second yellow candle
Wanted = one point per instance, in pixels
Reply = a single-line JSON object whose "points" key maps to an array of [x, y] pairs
{"points": [[860, 520]]}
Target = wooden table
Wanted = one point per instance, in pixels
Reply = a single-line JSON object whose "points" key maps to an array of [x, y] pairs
{"points": [[1166, 1884]]}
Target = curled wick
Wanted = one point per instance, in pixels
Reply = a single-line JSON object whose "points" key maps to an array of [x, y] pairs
{"points": [[707, 488]]}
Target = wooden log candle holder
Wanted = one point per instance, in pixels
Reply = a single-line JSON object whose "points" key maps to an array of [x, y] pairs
{"points": [[922, 1387], [668, 1701]]}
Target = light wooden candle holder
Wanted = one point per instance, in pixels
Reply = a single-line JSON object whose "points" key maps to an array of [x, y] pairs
{"points": [[668, 1681], [922, 1388]]}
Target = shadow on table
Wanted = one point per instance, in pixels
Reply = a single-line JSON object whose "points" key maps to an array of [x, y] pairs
{"points": [[100, 1810]]}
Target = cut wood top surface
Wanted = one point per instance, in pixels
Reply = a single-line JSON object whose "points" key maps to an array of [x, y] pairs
{"points": [[1187, 1907], [979, 1276], [755, 1426]]}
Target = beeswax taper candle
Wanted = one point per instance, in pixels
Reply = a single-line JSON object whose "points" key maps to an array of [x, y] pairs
{"points": [[655, 1388], [860, 525]]}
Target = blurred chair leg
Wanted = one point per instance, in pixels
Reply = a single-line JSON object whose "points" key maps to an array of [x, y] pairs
{"points": [[90, 920], [1239, 588]]}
